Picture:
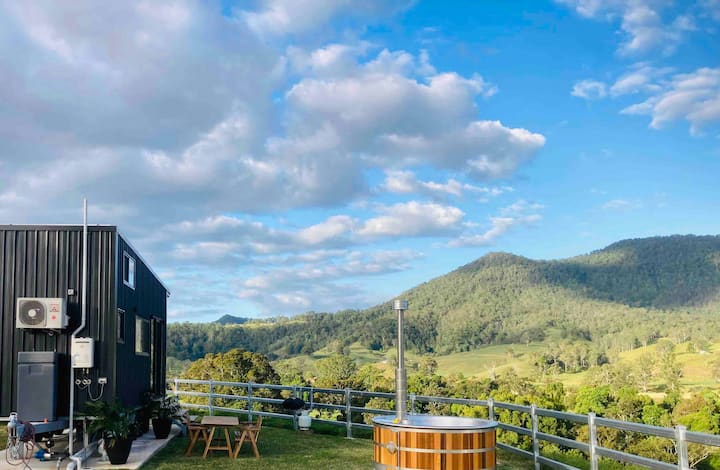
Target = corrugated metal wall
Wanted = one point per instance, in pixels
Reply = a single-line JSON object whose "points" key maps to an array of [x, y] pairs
{"points": [[148, 300], [45, 262], [38, 261]]}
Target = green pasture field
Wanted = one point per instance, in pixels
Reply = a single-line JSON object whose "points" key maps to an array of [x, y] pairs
{"points": [[498, 359]]}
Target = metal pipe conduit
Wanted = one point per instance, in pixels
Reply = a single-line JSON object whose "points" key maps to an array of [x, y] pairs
{"points": [[400, 375], [83, 308], [77, 460]]}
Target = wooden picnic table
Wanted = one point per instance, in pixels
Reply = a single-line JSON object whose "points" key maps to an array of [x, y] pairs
{"points": [[224, 422]]}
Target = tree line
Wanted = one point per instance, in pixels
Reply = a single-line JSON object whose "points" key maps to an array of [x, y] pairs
{"points": [[610, 394]]}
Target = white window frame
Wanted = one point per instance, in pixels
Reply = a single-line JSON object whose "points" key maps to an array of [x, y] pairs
{"points": [[129, 273]]}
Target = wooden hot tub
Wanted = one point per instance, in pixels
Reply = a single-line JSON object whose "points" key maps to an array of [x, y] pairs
{"points": [[427, 442]]}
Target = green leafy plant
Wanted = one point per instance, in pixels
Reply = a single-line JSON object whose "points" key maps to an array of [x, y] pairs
{"points": [[112, 420], [165, 407]]}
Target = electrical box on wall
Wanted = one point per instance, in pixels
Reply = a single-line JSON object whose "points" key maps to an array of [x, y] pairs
{"points": [[83, 353]]}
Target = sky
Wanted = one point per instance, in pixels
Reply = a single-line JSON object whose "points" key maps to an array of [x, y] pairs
{"points": [[275, 157]]}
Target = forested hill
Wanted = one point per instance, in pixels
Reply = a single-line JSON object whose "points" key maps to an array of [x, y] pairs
{"points": [[631, 292]]}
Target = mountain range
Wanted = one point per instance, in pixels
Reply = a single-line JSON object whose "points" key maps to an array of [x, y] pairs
{"points": [[627, 294]]}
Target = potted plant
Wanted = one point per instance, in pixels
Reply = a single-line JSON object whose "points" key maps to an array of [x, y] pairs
{"points": [[164, 410], [144, 412], [115, 424]]}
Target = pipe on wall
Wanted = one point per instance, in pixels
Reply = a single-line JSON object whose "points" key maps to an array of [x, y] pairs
{"points": [[79, 328]]}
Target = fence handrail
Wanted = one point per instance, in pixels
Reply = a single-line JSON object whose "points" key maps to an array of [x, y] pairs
{"points": [[679, 435]]}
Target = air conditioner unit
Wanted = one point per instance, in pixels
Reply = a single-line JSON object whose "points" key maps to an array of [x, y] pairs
{"points": [[41, 312]]}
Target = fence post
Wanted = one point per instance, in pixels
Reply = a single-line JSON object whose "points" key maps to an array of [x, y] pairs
{"points": [[249, 400], [348, 414], [413, 399], [681, 446], [175, 388], [536, 444], [295, 412], [593, 441], [210, 397], [491, 409]]}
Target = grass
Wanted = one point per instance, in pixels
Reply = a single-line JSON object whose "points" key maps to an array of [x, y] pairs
{"points": [[282, 448], [279, 448]]}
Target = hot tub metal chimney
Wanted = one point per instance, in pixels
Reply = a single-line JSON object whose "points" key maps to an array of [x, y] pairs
{"points": [[400, 375]]}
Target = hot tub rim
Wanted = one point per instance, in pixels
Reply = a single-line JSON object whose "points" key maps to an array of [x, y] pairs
{"points": [[470, 425]]}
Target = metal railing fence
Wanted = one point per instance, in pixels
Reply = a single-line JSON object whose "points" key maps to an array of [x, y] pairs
{"points": [[319, 398]]}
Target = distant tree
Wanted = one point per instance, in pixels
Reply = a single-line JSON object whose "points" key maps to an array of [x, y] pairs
{"points": [[645, 370], [289, 373], [235, 365], [336, 371], [715, 367], [371, 378], [595, 399], [428, 365], [702, 345], [670, 371], [664, 347], [700, 413]]}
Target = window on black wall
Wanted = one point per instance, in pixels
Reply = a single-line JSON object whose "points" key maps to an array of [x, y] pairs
{"points": [[142, 337], [128, 270], [121, 326]]}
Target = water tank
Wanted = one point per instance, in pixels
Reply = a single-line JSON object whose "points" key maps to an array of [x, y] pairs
{"points": [[37, 385]]}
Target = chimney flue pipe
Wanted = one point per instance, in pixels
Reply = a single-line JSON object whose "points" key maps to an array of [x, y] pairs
{"points": [[400, 375]]}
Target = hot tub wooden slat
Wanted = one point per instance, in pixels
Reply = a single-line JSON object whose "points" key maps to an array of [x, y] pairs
{"points": [[426, 448]]}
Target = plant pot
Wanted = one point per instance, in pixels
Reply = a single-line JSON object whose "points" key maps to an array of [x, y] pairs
{"points": [[120, 451], [161, 427], [143, 425]]}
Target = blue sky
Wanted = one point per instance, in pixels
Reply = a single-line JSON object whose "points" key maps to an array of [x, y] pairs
{"points": [[282, 156]]}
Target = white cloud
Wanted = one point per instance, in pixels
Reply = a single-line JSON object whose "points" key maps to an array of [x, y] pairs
{"points": [[711, 8], [589, 89], [206, 252], [324, 232], [521, 212], [643, 27], [406, 182], [393, 119], [498, 226], [294, 289], [641, 78], [187, 128], [694, 97], [622, 205], [521, 207], [413, 219], [279, 17]]}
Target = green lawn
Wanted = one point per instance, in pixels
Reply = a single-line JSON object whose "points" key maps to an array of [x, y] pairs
{"points": [[279, 448], [287, 449]]}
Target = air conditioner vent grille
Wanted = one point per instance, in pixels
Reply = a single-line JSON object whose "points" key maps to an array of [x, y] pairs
{"points": [[41, 312]]}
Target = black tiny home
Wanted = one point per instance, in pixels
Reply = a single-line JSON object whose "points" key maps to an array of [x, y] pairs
{"points": [[126, 312]]}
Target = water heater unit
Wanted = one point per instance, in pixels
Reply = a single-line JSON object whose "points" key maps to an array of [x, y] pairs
{"points": [[82, 354], [41, 312]]}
